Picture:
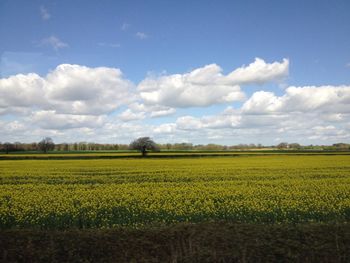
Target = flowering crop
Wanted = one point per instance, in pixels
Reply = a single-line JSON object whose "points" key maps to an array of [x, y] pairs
{"points": [[137, 192]]}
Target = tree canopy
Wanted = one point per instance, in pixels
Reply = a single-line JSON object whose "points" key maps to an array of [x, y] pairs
{"points": [[143, 144], [46, 144]]}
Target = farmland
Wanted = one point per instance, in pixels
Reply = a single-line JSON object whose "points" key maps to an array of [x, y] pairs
{"points": [[138, 193], [175, 207]]}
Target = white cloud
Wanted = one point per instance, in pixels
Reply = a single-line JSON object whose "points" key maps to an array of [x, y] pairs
{"points": [[188, 123], [328, 132], [229, 118], [53, 120], [74, 103], [53, 42], [83, 90], [260, 72], [323, 98], [201, 87], [141, 35], [125, 131], [129, 115], [45, 15], [166, 128], [21, 91], [69, 89], [12, 127], [154, 111], [302, 114], [162, 112], [207, 85], [262, 102], [334, 117], [332, 99]]}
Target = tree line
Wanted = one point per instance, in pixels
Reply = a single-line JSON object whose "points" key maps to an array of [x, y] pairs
{"points": [[47, 144]]}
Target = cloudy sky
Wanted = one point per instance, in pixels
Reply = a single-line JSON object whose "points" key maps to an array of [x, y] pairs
{"points": [[224, 72]]}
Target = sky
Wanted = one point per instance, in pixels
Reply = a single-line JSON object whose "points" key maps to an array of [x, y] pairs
{"points": [[225, 72]]}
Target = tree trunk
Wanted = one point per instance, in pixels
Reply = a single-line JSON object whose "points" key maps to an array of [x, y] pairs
{"points": [[144, 152]]}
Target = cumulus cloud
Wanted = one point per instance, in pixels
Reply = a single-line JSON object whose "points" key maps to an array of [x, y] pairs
{"points": [[53, 120], [207, 85], [320, 114], [262, 102], [260, 72], [74, 102], [54, 42], [83, 90], [12, 127], [162, 112], [228, 119], [201, 87], [332, 99], [153, 111], [334, 117], [323, 98], [129, 115], [69, 89], [188, 123], [80, 90], [21, 91], [329, 132], [166, 128]]}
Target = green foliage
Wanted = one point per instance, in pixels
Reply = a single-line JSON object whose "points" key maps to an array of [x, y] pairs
{"points": [[143, 145], [46, 145], [140, 192]]}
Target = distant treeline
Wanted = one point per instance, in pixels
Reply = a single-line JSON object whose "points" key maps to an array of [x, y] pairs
{"points": [[64, 147], [87, 146]]}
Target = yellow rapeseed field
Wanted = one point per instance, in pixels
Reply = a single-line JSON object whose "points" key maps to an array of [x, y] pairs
{"points": [[137, 192]]}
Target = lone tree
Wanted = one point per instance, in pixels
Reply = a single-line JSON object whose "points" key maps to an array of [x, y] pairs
{"points": [[46, 144], [7, 147], [143, 144]]}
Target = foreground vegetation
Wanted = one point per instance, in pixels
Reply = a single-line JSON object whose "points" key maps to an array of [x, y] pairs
{"points": [[65, 194], [203, 242]]}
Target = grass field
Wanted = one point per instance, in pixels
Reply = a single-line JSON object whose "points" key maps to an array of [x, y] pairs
{"points": [[63, 194]]}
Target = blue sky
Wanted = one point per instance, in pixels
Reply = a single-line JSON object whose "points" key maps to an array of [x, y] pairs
{"points": [[156, 39]]}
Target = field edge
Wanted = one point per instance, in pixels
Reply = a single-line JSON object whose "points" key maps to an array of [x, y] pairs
{"points": [[183, 242]]}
